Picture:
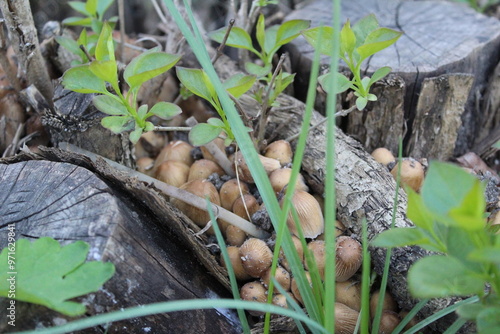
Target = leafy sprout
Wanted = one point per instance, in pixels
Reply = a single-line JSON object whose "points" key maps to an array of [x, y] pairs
{"points": [[103, 71], [358, 43]]}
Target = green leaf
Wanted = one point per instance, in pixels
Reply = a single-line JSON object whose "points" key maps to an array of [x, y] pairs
{"points": [[238, 38], [91, 7], [78, 21], [488, 320], [106, 70], [110, 105], [49, 275], [142, 111], [102, 7], [80, 79], [347, 39], [149, 127], [80, 7], [343, 83], [442, 276], [379, 74], [165, 110], [197, 81], [289, 30], [105, 49], [239, 84], [445, 187], [326, 45], [216, 122], [257, 70], [118, 124], [378, 40], [487, 254], [283, 80], [364, 27], [459, 244], [147, 66], [261, 31], [71, 45], [361, 102], [270, 43], [470, 311], [417, 212], [135, 135], [399, 237], [203, 133], [469, 214]]}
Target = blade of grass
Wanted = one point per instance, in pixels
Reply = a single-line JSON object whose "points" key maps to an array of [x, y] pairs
{"points": [[330, 197], [365, 283], [175, 306], [385, 275], [440, 314], [456, 326], [296, 165], [229, 267], [293, 304], [410, 316]]}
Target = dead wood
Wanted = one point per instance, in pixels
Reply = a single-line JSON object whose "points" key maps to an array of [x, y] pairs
{"points": [[68, 197], [439, 38]]}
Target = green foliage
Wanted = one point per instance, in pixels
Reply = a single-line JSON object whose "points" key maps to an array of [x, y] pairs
{"points": [[358, 43], [49, 275], [93, 10], [198, 83], [94, 77], [449, 218], [478, 5]]}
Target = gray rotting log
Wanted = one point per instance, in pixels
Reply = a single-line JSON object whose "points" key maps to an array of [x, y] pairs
{"points": [[75, 120], [68, 197], [439, 38], [364, 189], [24, 38]]}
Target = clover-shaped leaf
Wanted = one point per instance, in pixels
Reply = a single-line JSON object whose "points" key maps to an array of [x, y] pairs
{"points": [[48, 274]]}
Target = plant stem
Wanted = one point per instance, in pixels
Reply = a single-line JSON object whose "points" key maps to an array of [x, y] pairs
{"points": [[265, 101], [172, 128], [223, 43]]}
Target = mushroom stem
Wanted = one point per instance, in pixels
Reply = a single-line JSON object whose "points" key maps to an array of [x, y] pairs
{"points": [[177, 193]]}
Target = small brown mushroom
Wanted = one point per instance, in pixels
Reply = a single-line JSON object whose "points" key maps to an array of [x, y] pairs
{"points": [[317, 250], [256, 256], [388, 304], [230, 191], [388, 322], [294, 287], [279, 150], [175, 150], [235, 258], [348, 256], [345, 319], [203, 168], [298, 248], [281, 177], [173, 172], [349, 294], [244, 203], [412, 173], [235, 236], [244, 172], [309, 213], [145, 165], [281, 275], [254, 291], [383, 155]]}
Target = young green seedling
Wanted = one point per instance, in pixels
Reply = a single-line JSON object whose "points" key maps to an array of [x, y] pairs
{"points": [[449, 218], [103, 71], [197, 82], [358, 43]]}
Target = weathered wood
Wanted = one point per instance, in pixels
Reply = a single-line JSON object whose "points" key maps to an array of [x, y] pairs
{"points": [[125, 222], [438, 116], [364, 189], [75, 120], [439, 37]]}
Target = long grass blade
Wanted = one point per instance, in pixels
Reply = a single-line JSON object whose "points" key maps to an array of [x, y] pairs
{"points": [[365, 283], [294, 305], [229, 267], [330, 197], [415, 309]]}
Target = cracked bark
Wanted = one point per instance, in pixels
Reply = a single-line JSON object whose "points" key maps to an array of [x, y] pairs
{"points": [[24, 39], [440, 39]]}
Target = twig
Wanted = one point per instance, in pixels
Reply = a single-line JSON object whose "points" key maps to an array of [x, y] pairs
{"points": [[121, 17], [338, 113], [12, 148], [4, 60], [174, 192], [87, 54], [222, 45], [265, 103], [172, 128]]}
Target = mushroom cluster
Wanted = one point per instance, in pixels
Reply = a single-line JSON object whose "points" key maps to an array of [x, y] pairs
{"points": [[251, 258]]}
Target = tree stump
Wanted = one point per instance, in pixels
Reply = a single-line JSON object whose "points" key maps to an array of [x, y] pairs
{"points": [[125, 222], [441, 39]]}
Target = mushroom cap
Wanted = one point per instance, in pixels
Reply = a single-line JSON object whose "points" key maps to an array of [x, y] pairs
{"points": [[317, 250], [230, 191], [383, 155], [203, 168], [281, 275], [348, 256], [345, 319], [244, 172], [234, 257], [412, 173], [256, 256], [309, 213], [349, 294], [173, 172], [279, 150], [280, 178], [254, 291]]}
